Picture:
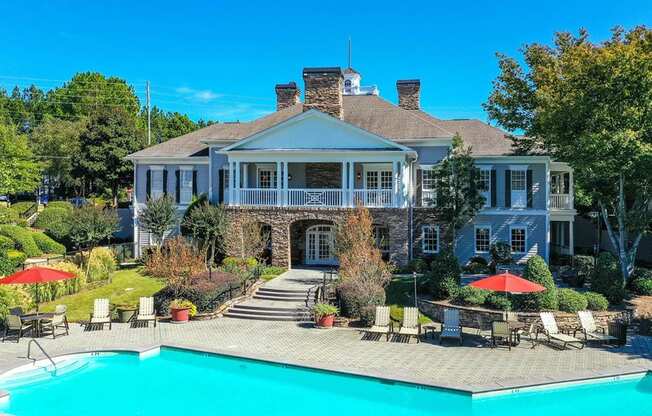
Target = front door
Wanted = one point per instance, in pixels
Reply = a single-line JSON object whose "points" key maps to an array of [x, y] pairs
{"points": [[320, 245]]}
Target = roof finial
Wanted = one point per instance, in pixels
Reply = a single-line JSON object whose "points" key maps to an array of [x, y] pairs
{"points": [[349, 51]]}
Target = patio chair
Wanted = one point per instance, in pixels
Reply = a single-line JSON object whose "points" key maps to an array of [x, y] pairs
{"points": [[500, 331], [410, 325], [591, 331], [13, 323], [382, 322], [16, 311], [101, 313], [551, 331], [481, 329], [146, 311], [510, 316], [451, 327], [59, 320]]}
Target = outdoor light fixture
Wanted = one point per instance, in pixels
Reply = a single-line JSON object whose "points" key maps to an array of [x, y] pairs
{"points": [[289, 176], [358, 176]]}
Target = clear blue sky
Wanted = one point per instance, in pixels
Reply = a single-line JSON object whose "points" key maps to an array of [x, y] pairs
{"points": [[218, 60]]}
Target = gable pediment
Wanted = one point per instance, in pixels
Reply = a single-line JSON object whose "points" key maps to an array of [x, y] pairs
{"points": [[314, 130]]}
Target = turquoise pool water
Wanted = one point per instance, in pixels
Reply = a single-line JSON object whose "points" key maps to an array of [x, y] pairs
{"points": [[178, 382]]}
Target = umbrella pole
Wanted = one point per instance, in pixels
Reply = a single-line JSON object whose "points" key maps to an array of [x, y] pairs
{"points": [[414, 274]]}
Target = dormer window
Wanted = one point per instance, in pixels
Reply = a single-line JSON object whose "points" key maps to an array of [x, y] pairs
{"points": [[347, 83]]}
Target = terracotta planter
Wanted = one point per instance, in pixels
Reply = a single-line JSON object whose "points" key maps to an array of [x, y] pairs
{"points": [[326, 321], [180, 315]]}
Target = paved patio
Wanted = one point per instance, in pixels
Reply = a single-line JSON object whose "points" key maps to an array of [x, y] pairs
{"points": [[472, 367]]}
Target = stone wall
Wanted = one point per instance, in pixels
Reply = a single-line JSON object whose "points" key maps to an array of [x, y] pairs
{"points": [[323, 90], [409, 94], [281, 220], [469, 315], [286, 95], [324, 175]]}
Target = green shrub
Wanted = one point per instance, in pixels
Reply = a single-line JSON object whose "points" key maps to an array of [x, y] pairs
{"points": [[537, 271], [55, 221], [101, 263], [571, 300], [471, 296], [443, 280], [12, 297], [501, 253], [596, 301], [356, 297], [476, 267], [324, 309], [498, 301], [22, 238], [21, 207], [273, 270], [584, 267], [60, 204], [642, 286], [48, 245], [418, 265], [8, 216], [6, 265], [6, 243], [608, 279], [16, 257]]}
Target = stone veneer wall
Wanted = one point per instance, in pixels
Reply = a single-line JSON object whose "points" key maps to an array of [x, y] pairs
{"points": [[324, 92], [469, 315], [286, 95], [281, 219], [408, 94], [324, 175]]}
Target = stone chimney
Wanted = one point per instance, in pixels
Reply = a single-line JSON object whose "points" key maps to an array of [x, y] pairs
{"points": [[408, 93], [286, 95], [323, 90]]}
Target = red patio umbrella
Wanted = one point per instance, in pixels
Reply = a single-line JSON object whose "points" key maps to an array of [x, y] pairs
{"points": [[36, 276], [507, 282]]}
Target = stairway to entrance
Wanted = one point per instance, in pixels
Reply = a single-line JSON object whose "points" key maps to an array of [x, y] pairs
{"points": [[289, 297]]}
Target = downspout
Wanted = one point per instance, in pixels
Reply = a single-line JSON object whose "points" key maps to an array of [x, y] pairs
{"points": [[411, 208]]}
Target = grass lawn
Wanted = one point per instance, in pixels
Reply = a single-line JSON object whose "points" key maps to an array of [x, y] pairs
{"points": [[126, 287], [400, 293]]}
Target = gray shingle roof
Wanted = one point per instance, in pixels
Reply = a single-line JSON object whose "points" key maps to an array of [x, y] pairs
{"points": [[368, 112]]}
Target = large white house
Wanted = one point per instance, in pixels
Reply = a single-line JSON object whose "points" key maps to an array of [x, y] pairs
{"points": [[298, 170]]}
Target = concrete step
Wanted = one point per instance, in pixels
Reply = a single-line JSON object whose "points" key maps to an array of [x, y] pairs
{"points": [[267, 308], [283, 291], [279, 298], [240, 315], [288, 313]]}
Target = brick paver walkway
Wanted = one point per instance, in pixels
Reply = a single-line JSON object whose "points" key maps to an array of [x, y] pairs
{"points": [[473, 367]]}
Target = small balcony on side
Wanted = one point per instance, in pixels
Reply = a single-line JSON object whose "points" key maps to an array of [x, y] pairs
{"points": [[561, 188]]}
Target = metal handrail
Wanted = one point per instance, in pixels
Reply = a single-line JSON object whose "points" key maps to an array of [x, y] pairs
{"points": [[29, 352]]}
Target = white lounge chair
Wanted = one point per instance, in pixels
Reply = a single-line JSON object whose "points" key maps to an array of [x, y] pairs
{"points": [[551, 331], [410, 325], [451, 327], [146, 311], [590, 330], [382, 322], [101, 313]]}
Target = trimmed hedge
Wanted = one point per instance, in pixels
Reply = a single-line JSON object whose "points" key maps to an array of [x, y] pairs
{"points": [[607, 279], [6, 243], [471, 296], [596, 301], [55, 222], [6, 265], [16, 257], [60, 204], [571, 300], [23, 239], [207, 293], [537, 271], [498, 301], [8, 216], [20, 207], [48, 245]]}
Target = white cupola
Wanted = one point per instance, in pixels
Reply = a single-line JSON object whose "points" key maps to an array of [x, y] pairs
{"points": [[352, 84]]}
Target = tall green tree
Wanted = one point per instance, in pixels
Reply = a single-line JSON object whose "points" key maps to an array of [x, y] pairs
{"points": [[111, 135], [589, 104], [458, 198], [207, 224], [19, 171], [159, 217]]}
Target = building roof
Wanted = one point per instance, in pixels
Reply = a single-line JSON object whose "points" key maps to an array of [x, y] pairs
{"points": [[368, 112]]}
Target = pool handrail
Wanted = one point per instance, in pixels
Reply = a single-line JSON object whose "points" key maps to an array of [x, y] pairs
{"points": [[29, 351]]}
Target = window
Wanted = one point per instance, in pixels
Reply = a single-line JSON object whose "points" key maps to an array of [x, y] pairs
{"points": [[185, 187], [518, 238], [428, 195], [519, 184], [266, 177], [385, 179], [157, 182], [484, 185], [430, 239], [372, 180], [482, 239], [381, 237]]}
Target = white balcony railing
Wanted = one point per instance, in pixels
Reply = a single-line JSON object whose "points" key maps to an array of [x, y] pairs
{"points": [[560, 201], [372, 198]]}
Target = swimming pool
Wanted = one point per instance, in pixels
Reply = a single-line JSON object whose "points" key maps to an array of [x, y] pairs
{"points": [[180, 382]]}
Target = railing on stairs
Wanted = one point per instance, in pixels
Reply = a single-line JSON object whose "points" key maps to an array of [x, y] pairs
{"points": [[29, 354]]}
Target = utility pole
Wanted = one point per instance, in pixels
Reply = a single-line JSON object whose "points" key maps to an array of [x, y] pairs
{"points": [[149, 118], [349, 51]]}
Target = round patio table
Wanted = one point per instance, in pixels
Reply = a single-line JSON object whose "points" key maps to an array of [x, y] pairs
{"points": [[36, 318], [514, 327]]}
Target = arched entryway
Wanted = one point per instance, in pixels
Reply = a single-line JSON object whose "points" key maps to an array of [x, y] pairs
{"points": [[313, 243]]}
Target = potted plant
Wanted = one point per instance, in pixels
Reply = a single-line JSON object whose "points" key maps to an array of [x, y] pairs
{"points": [[324, 314], [125, 311], [182, 310]]}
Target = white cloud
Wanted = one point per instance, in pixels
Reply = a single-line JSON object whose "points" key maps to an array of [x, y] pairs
{"points": [[198, 95]]}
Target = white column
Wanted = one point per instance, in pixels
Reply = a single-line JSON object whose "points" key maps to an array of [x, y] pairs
{"points": [[395, 184], [351, 182], [345, 184], [237, 183], [285, 182], [571, 190], [231, 183], [279, 183], [245, 176], [571, 241]]}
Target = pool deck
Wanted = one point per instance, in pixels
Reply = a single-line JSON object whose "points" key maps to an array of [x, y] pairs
{"points": [[473, 367]]}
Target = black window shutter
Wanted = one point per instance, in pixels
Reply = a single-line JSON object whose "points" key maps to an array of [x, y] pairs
{"points": [[148, 185], [508, 188], [220, 189], [194, 183], [419, 185], [566, 189], [475, 172], [165, 181], [493, 187], [178, 186], [529, 188]]}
